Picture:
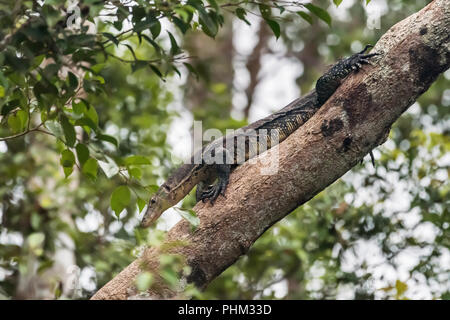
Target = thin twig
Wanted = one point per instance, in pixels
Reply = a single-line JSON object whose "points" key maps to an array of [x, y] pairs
{"points": [[35, 129]]}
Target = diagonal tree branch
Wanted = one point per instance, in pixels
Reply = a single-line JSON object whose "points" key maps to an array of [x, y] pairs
{"points": [[354, 120]]}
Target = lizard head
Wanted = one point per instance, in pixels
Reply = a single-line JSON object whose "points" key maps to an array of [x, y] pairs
{"points": [[172, 191], [158, 203]]}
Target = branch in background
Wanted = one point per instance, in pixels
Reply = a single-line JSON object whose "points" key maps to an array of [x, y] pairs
{"points": [[35, 129], [352, 122], [254, 64]]}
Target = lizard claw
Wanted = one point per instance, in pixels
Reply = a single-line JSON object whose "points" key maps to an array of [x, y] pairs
{"points": [[213, 192], [356, 61], [219, 188], [372, 159]]}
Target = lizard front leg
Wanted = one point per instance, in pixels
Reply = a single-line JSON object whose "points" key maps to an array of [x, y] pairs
{"points": [[201, 188], [221, 160], [213, 191], [331, 80], [204, 187]]}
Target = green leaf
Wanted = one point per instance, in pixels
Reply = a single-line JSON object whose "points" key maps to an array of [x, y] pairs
{"points": [[97, 68], [23, 116], [50, 71], [274, 26], [214, 4], [189, 215], [155, 28], [67, 161], [136, 160], [82, 40], [156, 70], [138, 64], [141, 203], [174, 49], [338, 2], [138, 13], [170, 277], [305, 16], [90, 168], [175, 69], [14, 123], [153, 43], [281, 8], [110, 167], [91, 113], [144, 281], [69, 131], [191, 69], [152, 188], [241, 13], [186, 13], [11, 105], [108, 138], [183, 26], [73, 80], [120, 199], [36, 242], [82, 153], [319, 12], [86, 122], [206, 20], [55, 128], [37, 61], [265, 11], [79, 107], [111, 37], [135, 172], [45, 87], [131, 50]]}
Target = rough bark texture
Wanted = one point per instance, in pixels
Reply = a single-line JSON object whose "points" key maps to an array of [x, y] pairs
{"points": [[352, 122]]}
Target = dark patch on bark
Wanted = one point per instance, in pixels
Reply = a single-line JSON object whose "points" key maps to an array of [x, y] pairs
{"points": [[427, 60], [357, 112], [346, 144], [329, 128], [423, 31], [197, 276]]}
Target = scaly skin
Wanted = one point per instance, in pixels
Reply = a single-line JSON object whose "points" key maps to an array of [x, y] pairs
{"points": [[283, 123]]}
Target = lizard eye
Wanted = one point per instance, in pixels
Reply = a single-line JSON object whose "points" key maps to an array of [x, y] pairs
{"points": [[153, 201]]}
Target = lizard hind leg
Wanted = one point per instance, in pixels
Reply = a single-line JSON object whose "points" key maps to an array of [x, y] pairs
{"points": [[372, 158], [367, 47], [328, 83]]}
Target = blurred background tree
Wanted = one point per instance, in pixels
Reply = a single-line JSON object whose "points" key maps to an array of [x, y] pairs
{"points": [[94, 115]]}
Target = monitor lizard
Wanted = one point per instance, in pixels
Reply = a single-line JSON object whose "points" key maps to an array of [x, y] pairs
{"points": [[212, 165]]}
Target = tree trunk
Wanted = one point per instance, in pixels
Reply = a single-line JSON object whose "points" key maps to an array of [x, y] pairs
{"points": [[353, 121]]}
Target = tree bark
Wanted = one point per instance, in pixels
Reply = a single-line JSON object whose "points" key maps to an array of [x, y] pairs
{"points": [[353, 121]]}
